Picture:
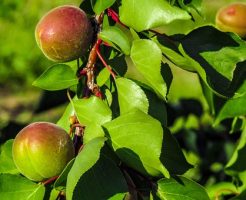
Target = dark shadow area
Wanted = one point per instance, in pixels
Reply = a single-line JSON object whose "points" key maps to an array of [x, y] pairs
{"points": [[10, 131], [106, 179], [209, 39], [50, 99], [172, 156], [157, 107], [183, 108]]}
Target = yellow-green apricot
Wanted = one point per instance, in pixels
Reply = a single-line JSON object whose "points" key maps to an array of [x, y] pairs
{"points": [[232, 18], [41, 150], [64, 33]]}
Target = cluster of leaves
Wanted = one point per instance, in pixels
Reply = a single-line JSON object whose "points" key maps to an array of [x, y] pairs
{"points": [[128, 150]]}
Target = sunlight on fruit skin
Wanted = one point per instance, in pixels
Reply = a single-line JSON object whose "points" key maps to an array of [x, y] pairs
{"points": [[41, 150], [232, 18], [64, 33]]}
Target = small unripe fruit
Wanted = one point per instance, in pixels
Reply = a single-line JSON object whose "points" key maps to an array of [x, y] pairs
{"points": [[41, 150], [64, 33], [232, 18]]}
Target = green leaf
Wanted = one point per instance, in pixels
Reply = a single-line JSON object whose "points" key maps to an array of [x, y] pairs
{"points": [[101, 5], [236, 163], [219, 58], [92, 131], [105, 179], [180, 188], [85, 160], [91, 110], [233, 107], [57, 77], [102, 77], [16, 187], [117, 37], [147, 56], [7, 164], [54, 194], [144, 14], [157, 107], [131, 96], [137, 139]]}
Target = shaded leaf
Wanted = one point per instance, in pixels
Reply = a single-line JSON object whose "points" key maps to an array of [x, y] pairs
{"points": [[16, 187], [233, 107], [144, 14], [172, 156], [119, 64], [192, 4], [217, 57], [170, 50], [235, 166], [57, 77], [105, 178], [60, 183], [157, 107]]}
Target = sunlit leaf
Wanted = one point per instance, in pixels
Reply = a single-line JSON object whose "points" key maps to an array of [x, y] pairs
{"points": [[57, 77], [92, 110], [7, 164], [144, 14], [16, 187], [180, 188], [131, 96], [116, 36], [137, 140], [147, 56]]}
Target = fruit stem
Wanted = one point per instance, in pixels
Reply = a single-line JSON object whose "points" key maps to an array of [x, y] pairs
{"points": [[50, 180], [115, 17], [104, 63]]}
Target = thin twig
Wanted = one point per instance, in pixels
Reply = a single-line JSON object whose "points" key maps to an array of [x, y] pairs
{"points": [[50, 180]]}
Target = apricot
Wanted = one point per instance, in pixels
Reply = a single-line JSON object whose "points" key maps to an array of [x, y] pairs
{"points": [[64, 33], [232, 18], [41, 150]]}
